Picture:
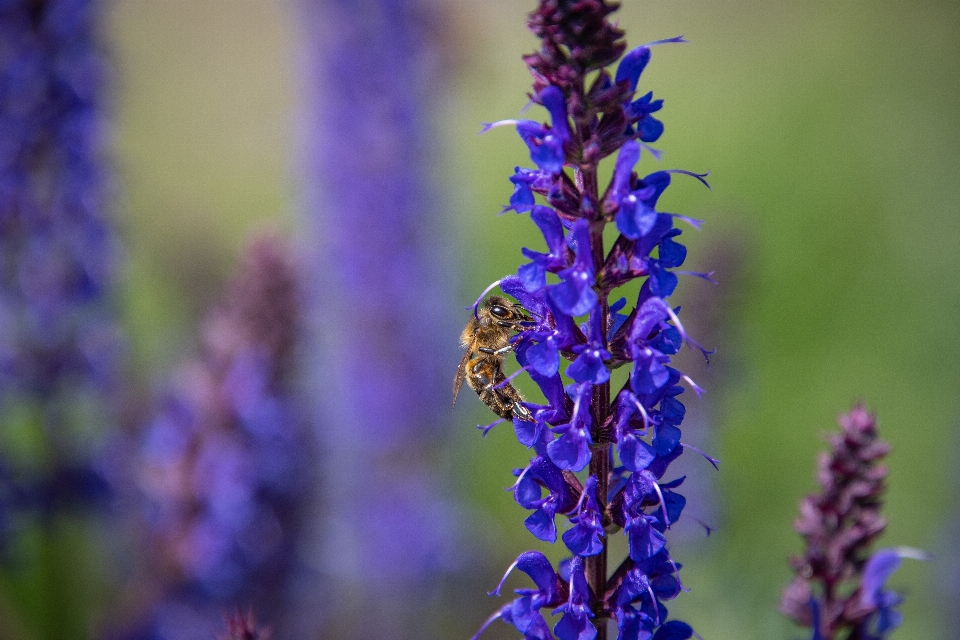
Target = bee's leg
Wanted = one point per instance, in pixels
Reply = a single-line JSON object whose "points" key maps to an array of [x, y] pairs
{"points": [[521, 411]]}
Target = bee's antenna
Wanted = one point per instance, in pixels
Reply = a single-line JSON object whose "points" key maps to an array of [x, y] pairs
{"points": [[476, 304]]}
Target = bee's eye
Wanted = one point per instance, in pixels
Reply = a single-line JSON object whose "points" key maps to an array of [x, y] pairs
{"points": [[499, 311]]}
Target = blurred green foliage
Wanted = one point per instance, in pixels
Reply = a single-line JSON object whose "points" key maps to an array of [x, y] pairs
{"points": [[833, 137]]}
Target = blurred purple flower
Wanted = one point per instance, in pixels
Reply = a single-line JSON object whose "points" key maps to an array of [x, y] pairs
{"points": [[840, 587], [584, 424], [56, 246], [222, 468], [58, 342], [381, 287]]}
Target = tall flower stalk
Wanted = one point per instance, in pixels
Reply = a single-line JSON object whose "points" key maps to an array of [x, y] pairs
{"points": [[380, 289], [623, 437], [839, 589], [57, 250], [222, 469]]}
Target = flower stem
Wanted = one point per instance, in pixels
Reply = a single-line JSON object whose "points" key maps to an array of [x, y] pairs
{"points": [[596, 566]]}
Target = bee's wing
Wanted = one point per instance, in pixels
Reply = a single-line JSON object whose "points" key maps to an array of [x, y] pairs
{"points": [[461, 375]]}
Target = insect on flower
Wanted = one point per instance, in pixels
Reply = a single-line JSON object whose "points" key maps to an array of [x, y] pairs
{"points": [[486, 338]]}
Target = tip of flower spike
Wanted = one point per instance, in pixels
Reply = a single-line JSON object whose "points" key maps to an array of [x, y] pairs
{"points": [[699, 176], [675, 39]]}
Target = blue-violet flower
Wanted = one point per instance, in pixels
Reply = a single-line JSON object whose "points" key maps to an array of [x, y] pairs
{"points": [[622, 441]]}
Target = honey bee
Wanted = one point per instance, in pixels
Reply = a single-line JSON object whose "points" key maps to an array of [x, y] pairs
{"points": [[486, 338]]}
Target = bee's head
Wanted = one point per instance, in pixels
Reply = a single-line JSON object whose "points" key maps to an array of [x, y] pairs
{"points": [[504, 310]]}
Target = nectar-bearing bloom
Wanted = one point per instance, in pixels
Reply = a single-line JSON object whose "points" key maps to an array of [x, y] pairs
{"points": [[379, 289], [58, 340], [56, 245], [222, 470], [840, 588], [621, 441]]}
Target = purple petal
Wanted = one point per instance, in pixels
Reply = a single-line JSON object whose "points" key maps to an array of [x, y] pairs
{"points": [[632, 65], [552, 98], [649, 374], [575, 295], [584, 540], [674, 630], [549, 223], [544, 357], [536, 565], [528, 431], [635, 453], [572, 627], [626, 159], [541, 524], [571, 450], [667, 439], [645, 541], [526, 617]]}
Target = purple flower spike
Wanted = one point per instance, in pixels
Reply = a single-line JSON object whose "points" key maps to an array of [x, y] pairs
{"points": [[59, 342], [839, 525], [579, 429], [231, 438]]}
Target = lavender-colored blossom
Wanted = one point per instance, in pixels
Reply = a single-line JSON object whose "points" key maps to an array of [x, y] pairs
{"points": [[56, 245], [840, 588], [380, 293], [624, 440], [58, 342], [222, 467]]}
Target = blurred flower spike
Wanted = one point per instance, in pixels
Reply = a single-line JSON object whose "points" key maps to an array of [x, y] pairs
{"points": [[840, 589], [623, 440], [222, 467], [59, 344]]}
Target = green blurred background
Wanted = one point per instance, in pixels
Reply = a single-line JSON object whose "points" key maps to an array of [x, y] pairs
{"points": [[832, 131]]}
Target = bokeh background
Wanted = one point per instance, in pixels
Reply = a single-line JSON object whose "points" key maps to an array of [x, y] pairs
{"points": [[832, 134]]}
